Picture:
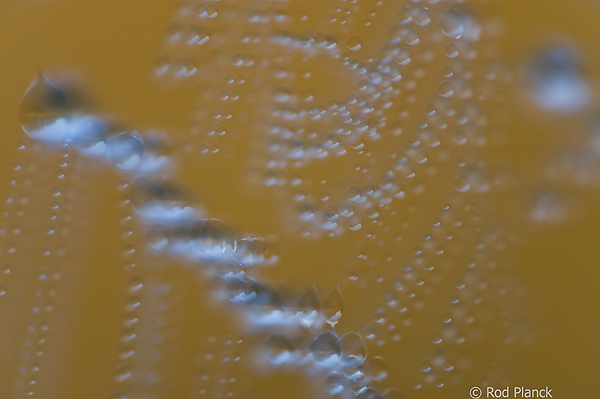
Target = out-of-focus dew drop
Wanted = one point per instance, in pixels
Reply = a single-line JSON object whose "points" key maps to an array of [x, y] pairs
{"points": [[354, 349], [369, 393], [325, 349], [158, 199], [279, 349], [335, 383], [354, 43], [462, 183], [377, 369], [241, 290], [89, 135], [556, 82], [548, 208], [250, 251], [212, 239], [45, 111], [308, 307], [333, 306], [125, 150], [453, 23], [158, 236]]}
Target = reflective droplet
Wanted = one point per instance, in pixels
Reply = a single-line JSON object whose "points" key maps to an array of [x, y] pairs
{"points": [[354, 350], [333, 306], [556, 81], [377, 369], [462, 183], [422, 16], [453, 23], [354, 43], [369, 393], [446, 89], [250, 251], [89, 135], [153, 199], [125, 150], [45, 111], [308, 306], [158, 236], [212, 239], [278, 349], [241, 290], [325, 349], [335, 383]]}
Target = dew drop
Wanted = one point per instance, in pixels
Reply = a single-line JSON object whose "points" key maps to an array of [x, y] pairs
{"points": [[354, 43], [125, 150], [325, 349], [335, 383], [333, 306], [354, 350], [45, 111], [453, 23]]}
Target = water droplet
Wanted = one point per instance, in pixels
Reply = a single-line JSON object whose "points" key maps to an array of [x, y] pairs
{"points": [[446, 89], [89, 134], [250, 251], [278, 349], [354, 43], [325, 349], [422, 16], [369, 393], [45, 111], [462, 183], [335, 383], [241, 290], [212, 239], [308, 306], [354, 350], [333, 306], [158, 236], [556, 81], [377, 369], [153, 199], [125, 150], [453, 23]]}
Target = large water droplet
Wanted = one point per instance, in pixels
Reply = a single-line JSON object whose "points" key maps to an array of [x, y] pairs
{"points": [[377, 369], [250, 251], [354, 350], [453, 23], [369, 393], [556, 81], [164, 200], [335, 383], [308, 306], [241, 290], [125, 150], [45, 111], [333, 306], [325, 349], [158, 236], [89, 134], [279, 349], [354, 43], [212, 239]]}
